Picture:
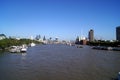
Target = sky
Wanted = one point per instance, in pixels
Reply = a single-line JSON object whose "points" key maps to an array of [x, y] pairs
{"points": [[65, 19]]}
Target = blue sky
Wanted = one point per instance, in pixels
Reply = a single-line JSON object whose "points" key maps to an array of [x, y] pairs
{"points": [[65, 19]]}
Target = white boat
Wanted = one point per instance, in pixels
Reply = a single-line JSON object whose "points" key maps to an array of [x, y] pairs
{"points": [[32, 44], [14, 49], [109, 48], [23, 48]]}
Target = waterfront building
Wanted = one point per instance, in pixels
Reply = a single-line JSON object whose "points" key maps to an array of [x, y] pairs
{"points": [[77, 40], [44, 38], [91, 35], [2, 36], [118, 33], [83, 42], [38, 37], [56, 39], [31, 38]]}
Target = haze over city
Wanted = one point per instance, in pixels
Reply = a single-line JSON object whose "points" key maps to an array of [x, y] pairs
{"points": [[65, 19]]}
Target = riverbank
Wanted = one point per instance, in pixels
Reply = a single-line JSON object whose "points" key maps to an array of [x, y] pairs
{"points": [[104, 43], [6, 43], [106, 48]]}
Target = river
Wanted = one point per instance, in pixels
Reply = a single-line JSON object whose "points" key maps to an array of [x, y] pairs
{"points": [[60, 62]]}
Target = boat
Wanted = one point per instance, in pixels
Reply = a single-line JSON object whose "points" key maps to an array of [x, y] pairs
{"points": [[116, 49], [17, 49], [14, 49], [23, 48], [118, 75], [32, 44], [96, 47], [109, 48], [106, 48], [79, 46]]}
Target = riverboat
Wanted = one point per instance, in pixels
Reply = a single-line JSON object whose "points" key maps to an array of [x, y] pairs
{"points": [[23, 48], [14, 49], [17, 49], [32, 44], [79, 46], [116, 49], [106, 48], [118, 75]]}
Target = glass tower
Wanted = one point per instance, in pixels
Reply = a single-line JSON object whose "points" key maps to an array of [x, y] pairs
{"points": [[118, 33]]}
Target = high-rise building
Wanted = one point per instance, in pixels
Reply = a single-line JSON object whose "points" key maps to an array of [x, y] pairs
{"points": [[91, 35], [118, 33]]}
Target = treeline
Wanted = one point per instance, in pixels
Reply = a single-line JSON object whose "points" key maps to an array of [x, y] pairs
{"points": [[5, 43], [105, 43]]}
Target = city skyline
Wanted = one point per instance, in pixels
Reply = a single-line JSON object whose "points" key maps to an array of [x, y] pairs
{"points": [[65, 19]]}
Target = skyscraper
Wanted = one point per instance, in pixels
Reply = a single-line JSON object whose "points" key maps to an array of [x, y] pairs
{"points": [[91, 35], [118, 33]]}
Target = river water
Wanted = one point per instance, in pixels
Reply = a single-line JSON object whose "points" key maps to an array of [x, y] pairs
{"points": [[60, 62]]}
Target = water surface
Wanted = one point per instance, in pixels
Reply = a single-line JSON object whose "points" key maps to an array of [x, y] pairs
{"points": [[60, 62]]}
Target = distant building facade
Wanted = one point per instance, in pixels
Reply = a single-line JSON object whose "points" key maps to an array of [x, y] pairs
{"points": [[81, 40], [91, 35], [2, 36], [118, 33], [56, 39]]}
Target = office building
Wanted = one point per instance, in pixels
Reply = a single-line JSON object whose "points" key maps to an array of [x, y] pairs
{"points": [[91, 35], [118, 33]]}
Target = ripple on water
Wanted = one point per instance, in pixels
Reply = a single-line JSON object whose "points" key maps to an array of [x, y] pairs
{"points": [[60, 62]]}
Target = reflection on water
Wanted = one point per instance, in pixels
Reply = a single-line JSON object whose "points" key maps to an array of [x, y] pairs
{"points": [[24, 56], [60, 62]]}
